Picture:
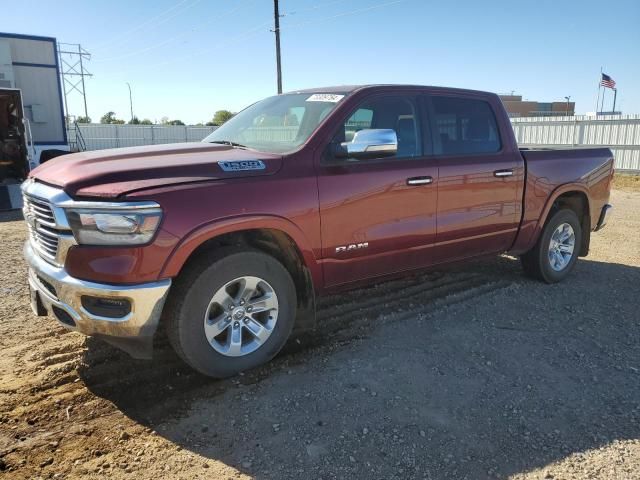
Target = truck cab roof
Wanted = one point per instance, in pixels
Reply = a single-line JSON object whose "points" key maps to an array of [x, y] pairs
{"points": [[350, 89]]}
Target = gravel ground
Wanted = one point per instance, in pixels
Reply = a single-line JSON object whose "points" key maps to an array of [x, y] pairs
{"points": [[473, 372]]}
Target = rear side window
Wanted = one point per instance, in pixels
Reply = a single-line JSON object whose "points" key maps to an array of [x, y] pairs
{"points": [[464, 126]]}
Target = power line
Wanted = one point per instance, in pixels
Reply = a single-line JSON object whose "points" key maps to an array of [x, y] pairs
{"points": [[344, 14], [171, 39], [253, 32], [315, 7], [147, 23], [276, 30], [241, 36]]}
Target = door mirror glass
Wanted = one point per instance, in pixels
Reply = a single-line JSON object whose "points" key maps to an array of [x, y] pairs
{"points": [[370, 143]]}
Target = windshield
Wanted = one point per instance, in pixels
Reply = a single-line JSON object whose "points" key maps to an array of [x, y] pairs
{"points": [[277, 124]]}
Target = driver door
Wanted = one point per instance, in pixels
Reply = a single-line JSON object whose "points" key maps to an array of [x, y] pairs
{"points": [[378, 215]]}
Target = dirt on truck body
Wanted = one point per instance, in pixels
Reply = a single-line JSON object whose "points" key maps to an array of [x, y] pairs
{"points": [[470, 373]]}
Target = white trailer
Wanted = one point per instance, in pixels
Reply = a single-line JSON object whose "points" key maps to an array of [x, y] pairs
{"points": [[31, 93]]}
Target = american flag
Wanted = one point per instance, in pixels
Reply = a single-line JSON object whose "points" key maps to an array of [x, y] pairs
{"points": [[607, 81]]}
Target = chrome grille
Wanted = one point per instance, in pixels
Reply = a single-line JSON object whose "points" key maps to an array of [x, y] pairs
{"points": [[42, 226]]}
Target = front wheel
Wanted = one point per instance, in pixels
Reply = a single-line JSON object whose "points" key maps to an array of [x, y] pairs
{"points": [[556, 251], [231, 311]]}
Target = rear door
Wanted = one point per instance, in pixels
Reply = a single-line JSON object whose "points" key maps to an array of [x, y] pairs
{"points": [[378, 216], [479, 178]]}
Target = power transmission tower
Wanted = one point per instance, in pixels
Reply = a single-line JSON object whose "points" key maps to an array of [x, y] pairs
{"points": [[72, 70], [276, 30]]}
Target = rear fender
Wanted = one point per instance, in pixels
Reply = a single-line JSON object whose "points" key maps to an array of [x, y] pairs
{"points": [[529, 234]]}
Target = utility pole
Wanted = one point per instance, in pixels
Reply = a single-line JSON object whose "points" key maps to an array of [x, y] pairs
{"points": [[567, 109], [276, 18], [72, 56], [130, 101]]}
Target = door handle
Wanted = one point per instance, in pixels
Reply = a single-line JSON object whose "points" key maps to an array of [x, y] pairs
{"points": [[503, 173], [419, 180]]}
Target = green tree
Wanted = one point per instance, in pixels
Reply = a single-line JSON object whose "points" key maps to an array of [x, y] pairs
{"points": [[110, 117], [134, 121], [220, 117], [83, 119], [175, 122], [146, 121]]}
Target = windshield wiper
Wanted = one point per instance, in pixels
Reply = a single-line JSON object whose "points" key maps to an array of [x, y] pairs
{"points": [[230, 143]]}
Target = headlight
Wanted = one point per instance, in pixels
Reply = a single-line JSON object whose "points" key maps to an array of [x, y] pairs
{"points": [[122, 226]]}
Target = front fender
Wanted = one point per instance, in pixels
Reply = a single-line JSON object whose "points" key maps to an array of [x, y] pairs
{"points": [[185, 248]]}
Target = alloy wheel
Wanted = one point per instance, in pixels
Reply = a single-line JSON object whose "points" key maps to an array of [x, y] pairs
{"points": [[561, 246], [241, 316]]}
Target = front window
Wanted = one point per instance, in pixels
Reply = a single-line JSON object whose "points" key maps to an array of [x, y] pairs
{"points": [[393, 112], [279, 124]]}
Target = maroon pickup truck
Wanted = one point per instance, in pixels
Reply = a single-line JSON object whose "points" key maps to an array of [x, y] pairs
{"points": [[225, 244]]}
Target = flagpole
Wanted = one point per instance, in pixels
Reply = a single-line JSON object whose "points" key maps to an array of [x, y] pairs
{"points": [[615, 94], [604, 90], [599, 87]]}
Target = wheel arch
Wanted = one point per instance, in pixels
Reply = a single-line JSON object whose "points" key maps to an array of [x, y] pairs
{"points": [[275, 236], [574, 197]]}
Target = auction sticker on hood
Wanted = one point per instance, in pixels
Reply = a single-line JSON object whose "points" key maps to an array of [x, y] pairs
{"points": [[242, 165], [325, 97]]}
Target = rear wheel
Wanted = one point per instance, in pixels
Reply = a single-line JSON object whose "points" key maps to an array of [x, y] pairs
{"points": [[231, 311], [556, 251]]}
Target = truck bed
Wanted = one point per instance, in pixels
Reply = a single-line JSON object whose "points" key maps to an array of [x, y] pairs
{"points": [[551, 170]]}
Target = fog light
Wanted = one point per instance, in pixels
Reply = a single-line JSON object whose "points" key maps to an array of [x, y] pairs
{"points": [[51, 289], [106, 307], [63, 316]]}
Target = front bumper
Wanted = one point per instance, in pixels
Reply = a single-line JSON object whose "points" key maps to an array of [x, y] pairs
{"points": [[55, 292]]}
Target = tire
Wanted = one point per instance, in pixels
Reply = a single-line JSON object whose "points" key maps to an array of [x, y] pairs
{"points": [[540, 263], [202, 290]]}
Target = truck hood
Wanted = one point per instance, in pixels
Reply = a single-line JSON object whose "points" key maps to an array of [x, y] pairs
{"points": [[111, 173]]}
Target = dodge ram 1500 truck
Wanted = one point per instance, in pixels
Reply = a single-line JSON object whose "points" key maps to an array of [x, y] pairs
{"points": [[225, 244]]}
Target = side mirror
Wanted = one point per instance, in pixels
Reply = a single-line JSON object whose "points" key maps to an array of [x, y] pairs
{"points": [[370, 143]]}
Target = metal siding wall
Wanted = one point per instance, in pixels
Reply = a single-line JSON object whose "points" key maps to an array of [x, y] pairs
{"points": [[32, 51], [40, 86], [99, 137], [620, 133]]}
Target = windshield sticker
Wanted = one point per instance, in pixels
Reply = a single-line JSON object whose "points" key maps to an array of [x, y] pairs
{"points": [[242, 165], [325, 97]]}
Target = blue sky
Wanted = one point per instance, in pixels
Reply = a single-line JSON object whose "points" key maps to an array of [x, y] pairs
{"points": [[188, 58]]}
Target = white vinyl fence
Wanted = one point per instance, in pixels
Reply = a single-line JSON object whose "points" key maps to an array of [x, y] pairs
{"points": [[620, 133], [97, 136]]}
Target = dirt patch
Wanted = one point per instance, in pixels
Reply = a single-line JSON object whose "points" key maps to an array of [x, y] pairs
{"points": [[625, 181], [474, 372]]}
